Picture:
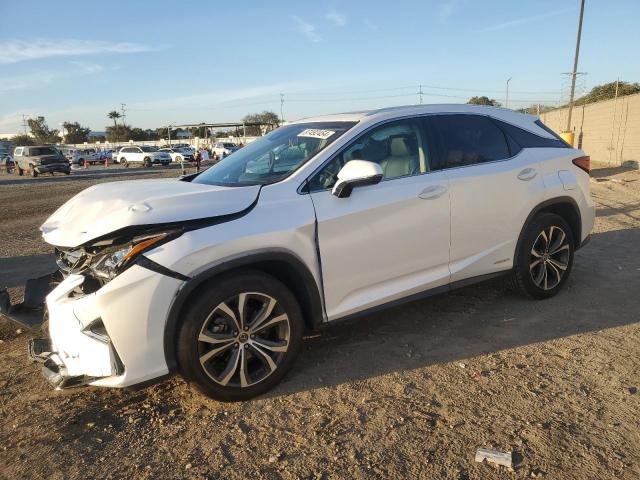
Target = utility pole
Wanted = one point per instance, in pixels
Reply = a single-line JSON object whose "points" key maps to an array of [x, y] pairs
{"points": [[613, 118], [281, 109], [575, 67], [506, 98], [420, 93], [123, 109]]}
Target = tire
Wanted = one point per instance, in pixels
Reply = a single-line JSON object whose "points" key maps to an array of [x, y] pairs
{"points": [[123, 161], [544, 257], [178, 158], [20, 171], [146, 162], [34, 174], [218, 375]]}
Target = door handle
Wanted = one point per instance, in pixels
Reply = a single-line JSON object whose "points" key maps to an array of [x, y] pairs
{"points": [[434, 191], [527, 174]]}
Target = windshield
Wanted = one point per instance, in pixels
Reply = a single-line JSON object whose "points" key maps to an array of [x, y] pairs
{"points": [[37, 151], [274, 156], [149, 149]]}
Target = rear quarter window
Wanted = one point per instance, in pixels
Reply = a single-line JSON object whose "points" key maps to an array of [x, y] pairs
{"points": [[526, 139]]}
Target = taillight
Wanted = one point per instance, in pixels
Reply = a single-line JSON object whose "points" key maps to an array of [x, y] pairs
{"points": [[583, 162]]}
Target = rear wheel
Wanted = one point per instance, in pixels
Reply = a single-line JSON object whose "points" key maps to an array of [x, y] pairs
{"points": [[545, 256], [241, 336], [34, 173]]}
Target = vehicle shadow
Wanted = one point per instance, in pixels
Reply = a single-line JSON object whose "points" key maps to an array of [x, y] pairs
{"points": [[601, 171], [481, 319], [15, 271]]}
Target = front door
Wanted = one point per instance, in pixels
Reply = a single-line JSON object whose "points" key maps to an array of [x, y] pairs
{"points": [[385, 241]]}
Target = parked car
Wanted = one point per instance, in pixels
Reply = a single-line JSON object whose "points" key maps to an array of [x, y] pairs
{"points": [[179, 155], [222, 149], [81, 155], [216, 275], [40, 159], [147, 156], [6, 164]]}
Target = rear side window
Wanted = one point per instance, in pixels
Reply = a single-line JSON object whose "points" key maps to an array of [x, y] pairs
{"points": [[468, 140], [527, 139], [18, 151]]}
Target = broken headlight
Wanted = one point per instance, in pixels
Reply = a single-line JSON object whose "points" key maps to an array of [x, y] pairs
{"points": [[113, 259]]}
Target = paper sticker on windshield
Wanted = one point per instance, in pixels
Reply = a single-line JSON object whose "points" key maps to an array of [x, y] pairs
{"points": [[316, 133]]}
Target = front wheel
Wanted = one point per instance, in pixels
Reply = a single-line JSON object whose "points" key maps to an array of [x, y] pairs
{"points": [[241, 336], [544, 257], [146, 162], [124, 162]]}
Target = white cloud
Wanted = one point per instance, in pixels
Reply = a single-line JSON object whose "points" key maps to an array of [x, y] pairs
{"points": [[305, 28], [447, 9], [368, 23], [336, 18], [520, 21], [13, 51], [39, 78]]}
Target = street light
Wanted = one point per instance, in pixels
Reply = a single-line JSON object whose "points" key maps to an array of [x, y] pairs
{"points": [[506, 100]]}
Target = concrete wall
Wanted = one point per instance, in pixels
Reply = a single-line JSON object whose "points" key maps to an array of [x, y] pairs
{"points": [[608, 131]]}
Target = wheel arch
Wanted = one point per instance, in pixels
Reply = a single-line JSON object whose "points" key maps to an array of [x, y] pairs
{"points": [[284, 266], [565, 207]]}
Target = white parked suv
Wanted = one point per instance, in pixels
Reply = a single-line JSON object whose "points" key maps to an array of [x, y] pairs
{"points": [[216, 275], [222, 149], [147, 156]]}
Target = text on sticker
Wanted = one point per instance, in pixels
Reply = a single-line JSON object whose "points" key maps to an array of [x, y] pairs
{"points": [[316, 133]]}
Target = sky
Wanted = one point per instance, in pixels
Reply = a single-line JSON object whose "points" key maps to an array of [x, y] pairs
{"points": [[210, 61]]}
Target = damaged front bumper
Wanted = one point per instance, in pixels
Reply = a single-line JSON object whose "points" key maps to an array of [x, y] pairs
{"points": [[111, 337], [74, 354]]}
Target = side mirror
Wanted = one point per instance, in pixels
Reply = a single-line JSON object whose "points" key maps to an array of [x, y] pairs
{"points": [[356, 173]]}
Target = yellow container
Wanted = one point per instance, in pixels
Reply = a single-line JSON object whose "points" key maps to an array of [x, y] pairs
{"points": [[567, 137]]}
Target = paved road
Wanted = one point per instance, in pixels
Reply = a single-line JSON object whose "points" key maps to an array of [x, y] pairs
{"points": [[92, 172]]}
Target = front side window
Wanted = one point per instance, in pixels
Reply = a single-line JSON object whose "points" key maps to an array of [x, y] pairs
{"points": [[274, 156], [468, 140], [398, 148]]}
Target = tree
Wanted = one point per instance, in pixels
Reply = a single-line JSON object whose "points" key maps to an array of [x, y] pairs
{"points": [[22, 140], [118, 133], [483, 101], [608, 90], [535, 109], [114, 116], [41, 132], [269, 120], [75, 133]]}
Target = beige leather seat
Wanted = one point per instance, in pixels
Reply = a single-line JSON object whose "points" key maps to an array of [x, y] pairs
{"points": [[400, 162]]}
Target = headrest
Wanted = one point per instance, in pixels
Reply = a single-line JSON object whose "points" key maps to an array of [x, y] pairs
{"points": [[399, 147]]}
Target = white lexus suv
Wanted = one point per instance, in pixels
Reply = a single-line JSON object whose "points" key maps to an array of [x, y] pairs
{"points": [[216, 275]]}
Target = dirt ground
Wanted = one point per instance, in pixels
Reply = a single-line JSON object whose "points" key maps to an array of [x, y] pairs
{"points": [[408, 393]]}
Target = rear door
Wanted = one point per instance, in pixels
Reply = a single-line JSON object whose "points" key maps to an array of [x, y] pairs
{"points": [[494, 185], [385, 241]]}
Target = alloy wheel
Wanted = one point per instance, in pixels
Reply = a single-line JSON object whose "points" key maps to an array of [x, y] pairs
{"points": [[549, 257], [244, 339]]}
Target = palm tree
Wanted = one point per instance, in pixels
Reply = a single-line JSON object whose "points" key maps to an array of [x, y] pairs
{"points": [[114, 115]]}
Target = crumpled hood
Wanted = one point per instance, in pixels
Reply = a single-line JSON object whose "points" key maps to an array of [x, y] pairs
{"points": [[108, 207]]}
